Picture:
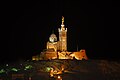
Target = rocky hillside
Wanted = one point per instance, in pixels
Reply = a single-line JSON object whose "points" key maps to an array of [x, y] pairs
{"points": [[71, 69]]}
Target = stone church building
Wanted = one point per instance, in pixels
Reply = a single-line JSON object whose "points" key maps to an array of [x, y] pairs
{"points": [[57, 48]]}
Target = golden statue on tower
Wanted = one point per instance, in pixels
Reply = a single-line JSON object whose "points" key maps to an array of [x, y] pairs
{"points": [[62, 20]]}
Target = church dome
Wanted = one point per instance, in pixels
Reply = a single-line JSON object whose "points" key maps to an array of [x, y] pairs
{"points": [[53, 38], [52, 35]]}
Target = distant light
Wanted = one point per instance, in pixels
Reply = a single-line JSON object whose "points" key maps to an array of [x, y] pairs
{"points": [[28, 67], [59, 77], [14, 69], [2, 71], [6, 64], [25, 69], [48, 69]]}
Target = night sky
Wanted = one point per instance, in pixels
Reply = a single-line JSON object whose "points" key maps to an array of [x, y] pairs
{"points": [[92, 25]]}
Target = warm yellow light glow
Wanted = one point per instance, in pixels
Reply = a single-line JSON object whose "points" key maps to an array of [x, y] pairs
{"points": [[58, 76]]}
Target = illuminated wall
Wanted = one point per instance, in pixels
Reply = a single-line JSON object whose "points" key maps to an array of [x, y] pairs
{"points": [[80, 55]]}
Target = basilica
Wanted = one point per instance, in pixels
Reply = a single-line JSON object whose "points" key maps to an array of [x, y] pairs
{"points": [[57, 48]]}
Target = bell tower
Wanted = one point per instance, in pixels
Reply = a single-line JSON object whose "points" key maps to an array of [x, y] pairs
{"points": [[63, 36]]}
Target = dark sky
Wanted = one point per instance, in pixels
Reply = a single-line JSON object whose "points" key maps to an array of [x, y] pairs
{"points": [[92, 25]]}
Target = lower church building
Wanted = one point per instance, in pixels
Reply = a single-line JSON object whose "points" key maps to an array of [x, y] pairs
{"points": [[57, 49]]}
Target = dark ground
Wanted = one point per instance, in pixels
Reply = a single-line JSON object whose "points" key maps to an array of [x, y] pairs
{"points": [[74, 70]]}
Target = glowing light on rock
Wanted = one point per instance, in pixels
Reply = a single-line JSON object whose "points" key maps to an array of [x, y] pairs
{"points": [[59, 78]]}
